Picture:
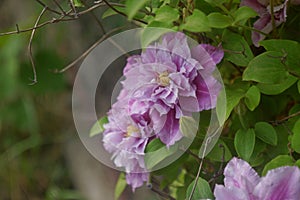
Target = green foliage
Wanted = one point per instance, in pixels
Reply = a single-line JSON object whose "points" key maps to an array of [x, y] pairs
{"points": [[296, 137], [77, 3], [252, 98], [202, 190], [266, 133], [242, 14], [98, 128], [188, 126], [266, 68], [220, 152], [217, 20], [197, 22], [244, 142], [133, 6], [156, 152], [166, 14], [279, 161], [120, 186], [237, 48]]}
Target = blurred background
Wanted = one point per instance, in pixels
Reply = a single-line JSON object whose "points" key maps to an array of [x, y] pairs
{"points": [[41, 156]]}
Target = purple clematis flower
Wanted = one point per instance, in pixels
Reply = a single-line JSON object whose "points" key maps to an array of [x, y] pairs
{"points": [[169, 81], [264, 23], [164, 83], [243, 183]]}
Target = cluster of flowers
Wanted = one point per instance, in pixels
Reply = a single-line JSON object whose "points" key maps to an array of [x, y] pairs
{"points": [[243, 183], [265, 23], [167, 81]]}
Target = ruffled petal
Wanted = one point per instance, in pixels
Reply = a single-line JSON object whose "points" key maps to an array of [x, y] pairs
{"points": [[278, 184], [224, 193]]}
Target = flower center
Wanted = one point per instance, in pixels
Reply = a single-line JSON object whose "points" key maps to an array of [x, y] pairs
{"points": [[163, 78], [130, 130]]}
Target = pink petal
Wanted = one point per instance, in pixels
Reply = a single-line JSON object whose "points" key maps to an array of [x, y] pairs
{"points": [[238, 173], [223, 193], [216, 53], [262, 24], [280, 184]]}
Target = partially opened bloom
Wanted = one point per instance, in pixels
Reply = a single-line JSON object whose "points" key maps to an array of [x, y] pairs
{"points": [[243, 183], [264, 23]]}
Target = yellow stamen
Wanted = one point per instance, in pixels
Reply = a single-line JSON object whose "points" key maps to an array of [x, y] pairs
{"points": [[163, 78], [131, 129]]}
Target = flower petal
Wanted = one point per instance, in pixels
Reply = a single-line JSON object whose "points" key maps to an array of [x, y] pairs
{"points": [[224, 193], [278, 184], [239, 174]]}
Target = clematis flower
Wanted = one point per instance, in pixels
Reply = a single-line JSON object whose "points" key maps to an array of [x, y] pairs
{"points": [[243, 183], [164, 83], [167, 82], [264, 23]]}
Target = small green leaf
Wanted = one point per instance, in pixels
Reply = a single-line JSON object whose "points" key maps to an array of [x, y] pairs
{"points": [[266, 68], [217, 20], [77, 3], [233, 95], [243, 14], [219, 151], [133, 6], [166, 14], [197, 22], [202, 190], [238, 50], [120, 186], [297, 163], [274, 89], [266, 133], [296, 137], [156, 152], [298, 86], [279, 161], [150, 34], [98, 128], [188, 126], [244, 142], [289, 51], [252, 98]]}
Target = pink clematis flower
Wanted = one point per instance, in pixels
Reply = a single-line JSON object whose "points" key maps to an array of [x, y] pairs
{"points": [[243, 183], [264, 23]]}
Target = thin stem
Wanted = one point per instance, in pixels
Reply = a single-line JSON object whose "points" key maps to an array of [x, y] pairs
{"points": [[34, 80]]}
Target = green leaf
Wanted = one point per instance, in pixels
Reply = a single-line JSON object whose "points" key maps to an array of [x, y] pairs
{"points": [[219, 151], [188, 126], [279, 161], [289, 53], [298, 86], [296, 137], [244, 142], [166, 14], [233, 95], [202, 190], [297, 163], [242, 14], [252, 98], [120, 186], [266, 133], [77, 3], [133, 6], [197, 22], [98, 128], [150, 34], [238, 50], [274, 89], [217, 20], [265, 68], [215, 2], [156, 152]]}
